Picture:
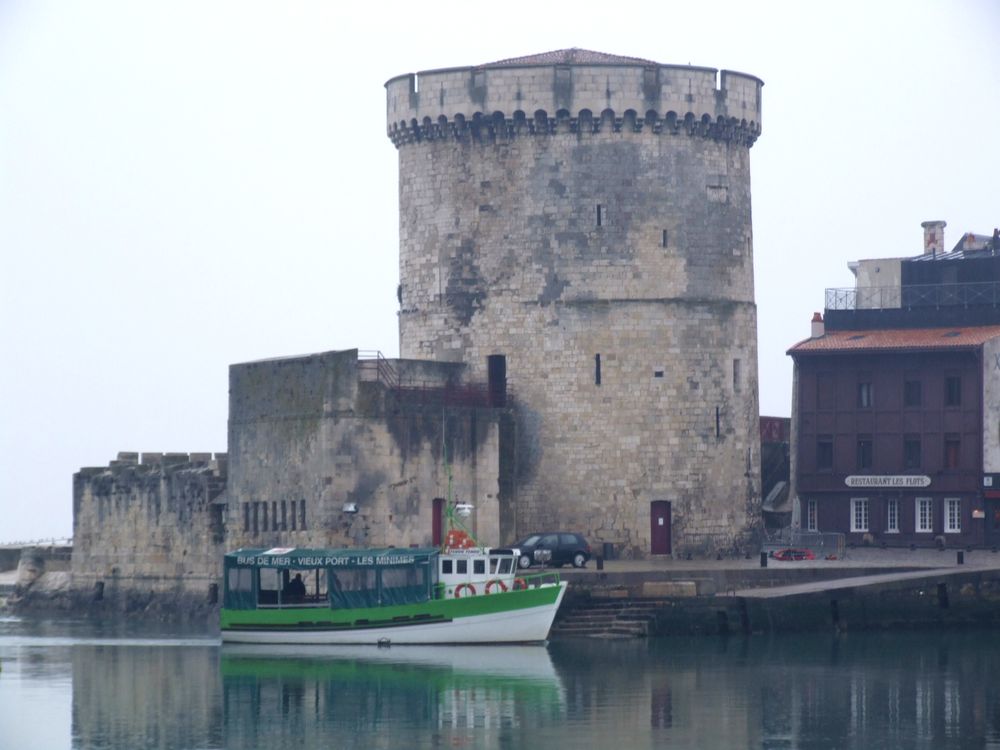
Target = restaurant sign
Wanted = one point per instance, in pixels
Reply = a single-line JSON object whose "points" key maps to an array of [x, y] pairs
{"points": [[900, 481]]}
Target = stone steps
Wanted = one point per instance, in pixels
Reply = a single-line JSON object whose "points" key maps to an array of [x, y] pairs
{"points": [[608, 619]]}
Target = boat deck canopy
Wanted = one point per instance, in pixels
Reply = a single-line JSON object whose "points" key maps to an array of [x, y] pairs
{"points": [[342, 559]]}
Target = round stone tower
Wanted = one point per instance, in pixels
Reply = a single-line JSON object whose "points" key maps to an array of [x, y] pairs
{"points": [[579, 224]]}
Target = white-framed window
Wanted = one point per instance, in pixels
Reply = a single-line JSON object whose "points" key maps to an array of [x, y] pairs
{"points": [[952, 515], [892, 516], [812, 519], [924, 517], [859, 514]]}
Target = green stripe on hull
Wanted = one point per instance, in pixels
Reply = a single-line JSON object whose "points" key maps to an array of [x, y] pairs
{"points": [[407, 614]]}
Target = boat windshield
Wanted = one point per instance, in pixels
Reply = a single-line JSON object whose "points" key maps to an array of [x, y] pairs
{"points": [[500, 566]]}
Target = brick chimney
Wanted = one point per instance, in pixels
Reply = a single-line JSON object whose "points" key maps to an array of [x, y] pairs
{"points": [[933, 237], [818, 327]]}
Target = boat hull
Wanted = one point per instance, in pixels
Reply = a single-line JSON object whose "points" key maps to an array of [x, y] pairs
{"points": [[512, 617]]}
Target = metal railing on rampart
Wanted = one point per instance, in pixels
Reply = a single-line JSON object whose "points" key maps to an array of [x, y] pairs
{"points": [[372, 366], [61, 541], [917, 295]]}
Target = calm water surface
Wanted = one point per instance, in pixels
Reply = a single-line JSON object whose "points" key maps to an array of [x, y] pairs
{"points": [[76, 685]]}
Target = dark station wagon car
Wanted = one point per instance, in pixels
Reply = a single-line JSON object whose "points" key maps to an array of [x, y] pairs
{"points": [[556, 548]]}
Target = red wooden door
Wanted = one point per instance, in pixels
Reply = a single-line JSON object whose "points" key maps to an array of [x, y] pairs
{"points": [[437, 521], [659, 534]]}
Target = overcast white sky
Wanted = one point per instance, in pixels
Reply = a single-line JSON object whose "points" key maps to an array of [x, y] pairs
{"points": [[184, 185]]}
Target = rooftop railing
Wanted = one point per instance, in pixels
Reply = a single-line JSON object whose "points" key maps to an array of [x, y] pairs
{"points": [[917, 295], [61, 541], [372, 366]]}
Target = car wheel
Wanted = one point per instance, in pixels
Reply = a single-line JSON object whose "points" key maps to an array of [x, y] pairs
{"points": [[524, 561], [579, 560]]}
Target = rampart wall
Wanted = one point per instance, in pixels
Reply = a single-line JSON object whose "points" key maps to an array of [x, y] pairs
{"points": [[322, 458], [147, 530]]}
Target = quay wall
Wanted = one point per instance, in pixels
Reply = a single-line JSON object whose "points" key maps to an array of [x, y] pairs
{"points": [[711, 581], [715, 604], [941, 599]]}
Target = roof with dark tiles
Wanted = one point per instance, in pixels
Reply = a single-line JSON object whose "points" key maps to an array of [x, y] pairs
{"points": [[905, 339]]}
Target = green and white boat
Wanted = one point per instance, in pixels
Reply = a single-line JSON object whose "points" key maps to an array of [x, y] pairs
{"points": [[386, 596]]}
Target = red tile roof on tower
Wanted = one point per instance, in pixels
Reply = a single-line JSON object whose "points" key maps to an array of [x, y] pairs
{"points": [[571, 56], [897, 340]]}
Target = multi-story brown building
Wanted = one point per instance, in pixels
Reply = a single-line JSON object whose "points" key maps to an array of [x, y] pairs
{"points": [[896, 401]]}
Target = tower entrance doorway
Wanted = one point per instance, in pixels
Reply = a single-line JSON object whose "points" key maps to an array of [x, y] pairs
{"points": [[659, 532]]}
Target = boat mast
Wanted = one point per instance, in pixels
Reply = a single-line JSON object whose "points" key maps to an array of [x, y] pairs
{"points": [[457, 534]]}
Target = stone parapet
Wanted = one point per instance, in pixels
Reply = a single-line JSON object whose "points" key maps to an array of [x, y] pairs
{"points": [[509, 101]]}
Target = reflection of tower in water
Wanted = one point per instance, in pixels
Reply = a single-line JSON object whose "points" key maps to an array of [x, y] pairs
{"points": [[123, 691]]}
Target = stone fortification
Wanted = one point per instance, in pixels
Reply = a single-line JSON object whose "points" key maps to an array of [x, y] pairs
{"points": [[327, 452], [149, 529], [587, 218], [575, 235]]}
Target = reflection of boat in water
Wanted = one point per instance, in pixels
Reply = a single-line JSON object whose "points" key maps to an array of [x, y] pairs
{"points": [[398, 596], [360, 688], [519, 662]]}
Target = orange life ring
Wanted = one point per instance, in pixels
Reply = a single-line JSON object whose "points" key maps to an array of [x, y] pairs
{"points": [[461, 587], [495, 582], [520, 583]]}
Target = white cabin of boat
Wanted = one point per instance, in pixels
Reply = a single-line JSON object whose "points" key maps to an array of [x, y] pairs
{"points": [[473, 571]]}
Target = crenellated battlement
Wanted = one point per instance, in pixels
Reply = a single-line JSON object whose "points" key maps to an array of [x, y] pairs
{"points": [[505, 101], [217, 463]]}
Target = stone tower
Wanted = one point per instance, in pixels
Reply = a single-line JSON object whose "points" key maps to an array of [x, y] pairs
{"points": [[578, 225]]}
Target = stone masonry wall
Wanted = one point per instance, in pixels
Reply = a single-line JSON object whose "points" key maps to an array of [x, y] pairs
{"points": [[149, 526], [557, 214], [668, 422], [319, 458]]}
